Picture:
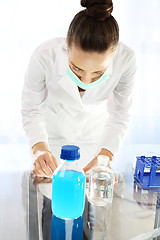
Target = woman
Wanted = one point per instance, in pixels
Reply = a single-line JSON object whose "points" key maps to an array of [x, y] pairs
{"points": [[79, 89]]}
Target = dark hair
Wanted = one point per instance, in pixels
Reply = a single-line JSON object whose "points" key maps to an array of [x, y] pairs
{"points": [[94, 29]]}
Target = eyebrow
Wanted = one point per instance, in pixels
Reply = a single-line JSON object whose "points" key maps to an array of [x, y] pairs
{"points": [[83, 70]]}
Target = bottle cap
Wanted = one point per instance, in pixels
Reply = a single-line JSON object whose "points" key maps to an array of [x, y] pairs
{"points": [[70, 152], [103, 160]]}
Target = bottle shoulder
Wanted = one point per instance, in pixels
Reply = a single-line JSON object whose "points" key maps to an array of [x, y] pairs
{"points": [[101, 168], [69, 166]]}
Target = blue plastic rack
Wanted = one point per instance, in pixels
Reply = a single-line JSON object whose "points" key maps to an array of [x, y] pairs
{"points": [[147, 171]]}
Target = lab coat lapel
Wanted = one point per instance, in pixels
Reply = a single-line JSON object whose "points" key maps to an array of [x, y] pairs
{"points": [[61, 59], [61, 64], [71, 88]]}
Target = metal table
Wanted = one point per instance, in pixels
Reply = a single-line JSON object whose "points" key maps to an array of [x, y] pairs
{"points": [[134, 211], [25, 202]]}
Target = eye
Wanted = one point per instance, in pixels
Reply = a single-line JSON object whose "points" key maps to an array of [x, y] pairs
{"points": [[76, 69], [98, 76], [100, 73], [95, 79]]}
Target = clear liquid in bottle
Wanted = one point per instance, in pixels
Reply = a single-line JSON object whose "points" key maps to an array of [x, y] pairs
{"points": [[101, 182]]}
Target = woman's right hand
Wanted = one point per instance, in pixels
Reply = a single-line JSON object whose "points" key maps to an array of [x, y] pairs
{"points": [[44, 162]]}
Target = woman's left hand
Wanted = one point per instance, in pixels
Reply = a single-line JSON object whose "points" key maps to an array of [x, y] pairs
{"points": [[93, 163]]}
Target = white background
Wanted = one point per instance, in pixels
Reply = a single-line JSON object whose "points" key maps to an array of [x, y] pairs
{"points": [[26, 24]]}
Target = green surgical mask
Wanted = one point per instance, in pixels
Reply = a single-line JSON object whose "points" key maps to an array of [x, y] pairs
{"points": [[80, 84]]}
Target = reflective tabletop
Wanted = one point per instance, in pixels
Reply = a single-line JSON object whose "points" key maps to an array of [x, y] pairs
{"points": [[134, 211], [25, 206]]}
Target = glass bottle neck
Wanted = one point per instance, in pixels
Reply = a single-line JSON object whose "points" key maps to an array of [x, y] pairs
{"points": [[70, 165]]}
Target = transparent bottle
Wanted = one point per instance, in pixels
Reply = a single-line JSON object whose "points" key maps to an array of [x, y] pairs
{"points": [[68, 185], [101, 182]]}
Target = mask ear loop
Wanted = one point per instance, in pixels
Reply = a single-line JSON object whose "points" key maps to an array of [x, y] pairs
{"points": [[67, 50], [66, 46]]}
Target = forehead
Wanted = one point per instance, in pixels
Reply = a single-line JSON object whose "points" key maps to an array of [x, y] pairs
{"points": [[89, 61]]}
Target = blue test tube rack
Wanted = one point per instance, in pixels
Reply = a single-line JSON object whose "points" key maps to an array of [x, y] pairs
{"points": [[147, 171]]}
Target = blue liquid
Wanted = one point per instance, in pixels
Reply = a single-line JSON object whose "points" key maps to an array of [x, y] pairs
{"points": [[68, 194], [66, 229]]}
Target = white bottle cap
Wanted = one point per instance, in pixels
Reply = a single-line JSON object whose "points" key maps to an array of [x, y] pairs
{"points": [[103, 160]]}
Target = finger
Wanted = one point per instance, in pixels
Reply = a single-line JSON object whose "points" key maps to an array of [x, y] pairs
{"points": [[109, 165], [51, 162], [47, 180], [55, 161], [87, 168], [39, 169], [36, 173], [91, 165], [116, 181], [37, 178], [45, 168]]}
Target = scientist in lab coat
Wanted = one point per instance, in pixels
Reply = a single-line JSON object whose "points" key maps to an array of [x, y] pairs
{"points": [[79, 89]]}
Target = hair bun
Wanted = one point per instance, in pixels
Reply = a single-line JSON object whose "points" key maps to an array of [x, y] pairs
{"points": [[99, 9]]}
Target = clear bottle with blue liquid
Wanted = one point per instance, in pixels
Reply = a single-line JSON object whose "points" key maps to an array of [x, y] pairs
{"points": [[68, 185]]}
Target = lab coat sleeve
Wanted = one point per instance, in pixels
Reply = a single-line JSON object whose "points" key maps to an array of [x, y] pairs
{"points": [[33, 98], [119, 108]]}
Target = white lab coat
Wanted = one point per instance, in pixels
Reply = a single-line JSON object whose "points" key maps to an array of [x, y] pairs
{"points": [[53, 111]]}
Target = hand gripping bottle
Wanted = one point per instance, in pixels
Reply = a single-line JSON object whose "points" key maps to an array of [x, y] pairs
{"points": [[101, 182], [68, 185]]}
